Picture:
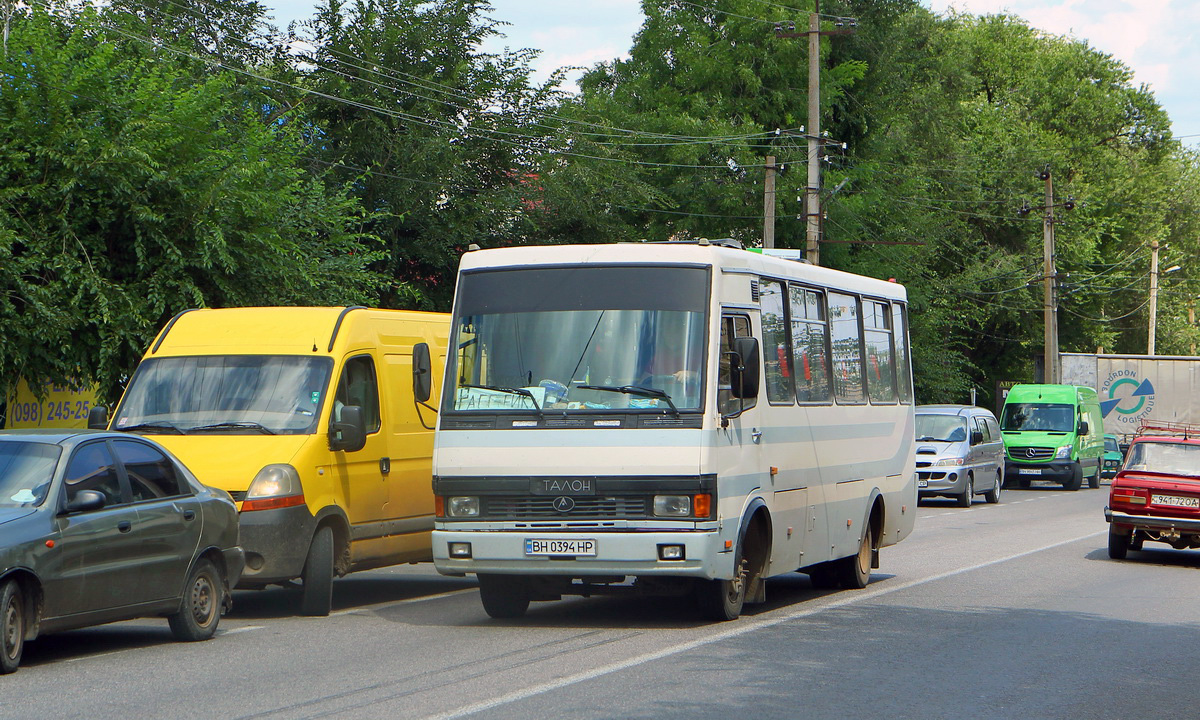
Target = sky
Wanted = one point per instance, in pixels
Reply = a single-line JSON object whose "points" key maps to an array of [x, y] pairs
{"points": [[1158, 39]]}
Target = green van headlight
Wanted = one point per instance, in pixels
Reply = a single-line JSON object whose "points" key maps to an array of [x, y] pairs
{"points": [[1063, 452]]}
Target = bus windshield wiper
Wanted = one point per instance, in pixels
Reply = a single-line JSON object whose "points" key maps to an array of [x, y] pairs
{"points": [[635, 390], [244, 424], [512, 391], [158, 425]]}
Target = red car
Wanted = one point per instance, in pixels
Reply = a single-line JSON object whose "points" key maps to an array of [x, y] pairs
{"points": [[1156, 493]]}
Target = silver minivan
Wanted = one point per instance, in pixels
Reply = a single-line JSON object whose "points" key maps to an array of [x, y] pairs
{"points": [[960, 453]]}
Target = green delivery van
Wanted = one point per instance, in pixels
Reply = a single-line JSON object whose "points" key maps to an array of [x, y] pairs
{"points": [[1054, 433]]}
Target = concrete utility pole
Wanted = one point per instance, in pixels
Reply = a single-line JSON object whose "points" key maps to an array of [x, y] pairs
{"points": [[812, 194], [769, 204], [812, 191], [1050, 308], [1153, 296]]}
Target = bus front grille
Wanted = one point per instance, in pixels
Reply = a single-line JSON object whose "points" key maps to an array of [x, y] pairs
{"points": [[538, 506]]}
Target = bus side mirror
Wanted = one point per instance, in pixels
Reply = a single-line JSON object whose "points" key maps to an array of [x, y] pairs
{"points": [[422, 369], [976, 437], [98, 418], [348, 431], [1083, 427], [744, 373]]}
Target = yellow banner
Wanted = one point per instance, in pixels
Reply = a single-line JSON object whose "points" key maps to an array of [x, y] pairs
{"points": [[63, 407]]}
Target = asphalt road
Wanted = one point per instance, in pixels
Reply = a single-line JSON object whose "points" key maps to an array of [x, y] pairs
{"points": [[997, 611]]}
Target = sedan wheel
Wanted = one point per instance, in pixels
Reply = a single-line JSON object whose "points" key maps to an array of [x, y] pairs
{"points": [[12, 626], [200, 610]]}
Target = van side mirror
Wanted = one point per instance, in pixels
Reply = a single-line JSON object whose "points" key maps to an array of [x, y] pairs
{"points": [[1083, 427], [86, 500], [976, 437], [98, 418], [422, 369], [743, 376], [348, 432]]}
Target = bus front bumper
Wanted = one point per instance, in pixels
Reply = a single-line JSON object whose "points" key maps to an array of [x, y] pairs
{"points": [[617, 553]]}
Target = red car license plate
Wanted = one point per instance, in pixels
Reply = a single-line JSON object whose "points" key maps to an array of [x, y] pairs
{"points": [[1175, 501]]}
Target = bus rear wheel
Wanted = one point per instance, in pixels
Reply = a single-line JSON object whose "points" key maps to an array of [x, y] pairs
{"points": [[854, 572]]}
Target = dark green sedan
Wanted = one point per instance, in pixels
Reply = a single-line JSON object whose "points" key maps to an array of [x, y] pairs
{"points": [[97, 527]]}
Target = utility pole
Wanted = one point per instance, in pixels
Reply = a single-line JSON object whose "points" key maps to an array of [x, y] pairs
{"points": [[812, 194], [812, 191], [769, 204], [1153, 296], [1050, 307], [1192, 321]]}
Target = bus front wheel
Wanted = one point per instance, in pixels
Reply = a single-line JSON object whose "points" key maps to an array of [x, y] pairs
{"points": [[504, 596], [723, 600]]}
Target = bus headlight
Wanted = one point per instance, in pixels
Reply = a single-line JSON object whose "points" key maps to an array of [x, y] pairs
{"points": [[459, 507], [1063, 452], [673, 505]]}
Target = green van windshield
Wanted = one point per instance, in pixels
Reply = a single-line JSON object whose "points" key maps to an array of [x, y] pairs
{"points": [[1044, 417]]}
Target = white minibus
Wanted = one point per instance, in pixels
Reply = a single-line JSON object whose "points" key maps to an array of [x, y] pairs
{"points": [[669, 418]]}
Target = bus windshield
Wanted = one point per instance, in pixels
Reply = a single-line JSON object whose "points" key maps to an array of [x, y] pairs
{"points": [[226, 394], [1044, 417], [579, 339]]}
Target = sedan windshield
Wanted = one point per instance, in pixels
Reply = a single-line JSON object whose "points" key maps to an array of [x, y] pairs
{"points": [[1168, 458], [1044, 417], [26, 469], [941, 428], [579, 339], [225, 394]]}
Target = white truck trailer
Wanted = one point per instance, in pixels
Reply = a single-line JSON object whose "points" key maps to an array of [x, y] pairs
{"points": [[1136, 389]]}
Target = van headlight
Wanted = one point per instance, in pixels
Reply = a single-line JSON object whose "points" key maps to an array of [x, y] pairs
{"points": [[948, 462], [274, 487], [1063, 452]]}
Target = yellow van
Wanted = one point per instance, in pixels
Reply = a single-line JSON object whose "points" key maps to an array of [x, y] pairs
{"points": [[317, 421]]}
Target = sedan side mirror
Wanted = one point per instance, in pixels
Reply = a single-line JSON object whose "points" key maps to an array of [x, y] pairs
{"points": [[86, 500], [98, 418]]}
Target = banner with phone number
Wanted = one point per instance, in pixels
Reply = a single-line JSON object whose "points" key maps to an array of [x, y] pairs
{"points": [[63, 407]]}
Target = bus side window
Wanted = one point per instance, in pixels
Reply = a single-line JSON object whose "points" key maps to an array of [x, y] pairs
{"points": [[847, 349], [776, 350], [732, 326], [810, 345], [900, 335]]}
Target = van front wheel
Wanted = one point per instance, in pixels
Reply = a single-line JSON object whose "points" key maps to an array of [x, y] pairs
{"points": [[1094, 480], [1076, 478], [316, 594]]}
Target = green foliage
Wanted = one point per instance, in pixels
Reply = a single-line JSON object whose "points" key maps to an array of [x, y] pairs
{"points": [[133, 190]]}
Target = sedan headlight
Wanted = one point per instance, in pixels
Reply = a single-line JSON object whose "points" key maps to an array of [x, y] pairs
{"points": [[462, 506], [673, 505], [949, 462], [1063, 452]]}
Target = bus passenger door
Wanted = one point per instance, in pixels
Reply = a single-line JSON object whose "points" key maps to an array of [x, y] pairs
{"points": [[740, 434]]}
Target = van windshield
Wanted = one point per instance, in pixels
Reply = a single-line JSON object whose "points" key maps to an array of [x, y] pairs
{"points": [[226, 394], [1043, 417], [941, 428]]}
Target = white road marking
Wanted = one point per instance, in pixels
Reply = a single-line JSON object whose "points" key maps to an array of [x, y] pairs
{"points": [[744, 629], [409, 601]]}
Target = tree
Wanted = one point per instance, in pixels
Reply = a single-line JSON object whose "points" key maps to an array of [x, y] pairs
{"points": [[133, 189]]}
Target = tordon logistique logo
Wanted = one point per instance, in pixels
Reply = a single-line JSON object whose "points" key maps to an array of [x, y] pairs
{"points": [[1130, 398]]}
